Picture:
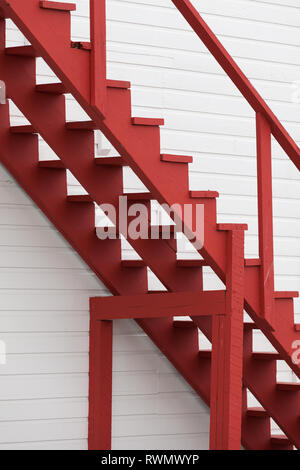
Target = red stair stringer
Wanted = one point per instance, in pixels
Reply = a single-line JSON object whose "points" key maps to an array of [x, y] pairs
{"points": [[132, 142], [48, 189]]}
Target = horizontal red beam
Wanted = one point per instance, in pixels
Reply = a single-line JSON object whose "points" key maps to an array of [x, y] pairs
{"points": [[159, 305]]}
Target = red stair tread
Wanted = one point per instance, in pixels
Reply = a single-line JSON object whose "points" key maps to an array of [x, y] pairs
{"points": [[288, 386], [279, 440], [228, 227], [204, 194], [80, 198], [257, 412], [205, 353], [297, 327], [286, 294], [110, 161], [27, 129], [81, 125], [27, 51], [49, 5], [250, 326], [191, 263], [138, 196], [266, 356], [176, 158], [118, 84], [54, 88], [55, 164], [133, 263], [184, 324], [138, 121]]}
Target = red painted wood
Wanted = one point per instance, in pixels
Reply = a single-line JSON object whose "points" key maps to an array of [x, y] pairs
{"points": [[100, 384], [204, 194], [98, 55], [139, 121], [50, 5], [118, 84], [227, 355], [265, 216], [55, 88], [71, 72], [26, 51], [176, 158], [159, 305]]}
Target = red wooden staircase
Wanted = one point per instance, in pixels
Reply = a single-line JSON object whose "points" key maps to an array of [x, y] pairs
{"points": [[81, 69]]}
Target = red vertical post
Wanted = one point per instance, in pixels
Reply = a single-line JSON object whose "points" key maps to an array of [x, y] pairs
{"points": [[100, 384], [265, 215], [98, 54], [227, 354]]}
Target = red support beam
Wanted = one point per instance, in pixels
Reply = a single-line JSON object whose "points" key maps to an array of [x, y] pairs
{"points": [[227, 354], [98, 54], [100, 384], [160, 305], [265, 216]]}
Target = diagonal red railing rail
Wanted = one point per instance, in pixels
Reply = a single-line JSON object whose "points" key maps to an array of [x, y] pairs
{"points": [[267, 125]]}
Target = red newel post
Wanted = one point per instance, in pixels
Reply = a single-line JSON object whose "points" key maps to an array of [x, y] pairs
{"points": [[100, 384], [227, 354], [265, 215], [98, 54]]}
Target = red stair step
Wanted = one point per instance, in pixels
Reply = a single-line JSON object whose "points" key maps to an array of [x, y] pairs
{"points": [[280, 440], [250, 326], [137, 121], [27, 129], [26, 51], [118, 84], [53, 164], [288, 386], [252, 262], [297, 327], [110, 161], [81, 126], [204, 194], [184, 324], [138, 196], [205, 353], [53, 88], [57, 6], [133, 263], [191, 263], [257, 412], [229, 227], [286, 295], [80, 198], [176, 158], [266, 356]]}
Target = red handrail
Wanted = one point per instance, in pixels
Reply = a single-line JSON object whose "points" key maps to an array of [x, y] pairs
{"points": [[234, 72]]}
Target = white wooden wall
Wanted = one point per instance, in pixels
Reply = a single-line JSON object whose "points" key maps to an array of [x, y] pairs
{"points": [[44, 287]]}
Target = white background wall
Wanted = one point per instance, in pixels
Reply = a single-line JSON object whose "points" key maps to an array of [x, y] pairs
{"points": [[44, 287]]}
